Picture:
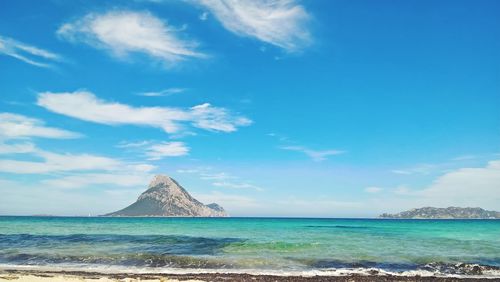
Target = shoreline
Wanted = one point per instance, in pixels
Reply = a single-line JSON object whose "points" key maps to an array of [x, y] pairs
{"points": [[28, 275], [79, 276]]}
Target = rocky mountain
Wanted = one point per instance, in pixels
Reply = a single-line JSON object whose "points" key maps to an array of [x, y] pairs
{"points": [[445, 213], [165, 197]]}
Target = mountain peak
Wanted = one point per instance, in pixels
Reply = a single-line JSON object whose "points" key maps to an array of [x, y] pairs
{"points": [[161, 179], [166, 197]]}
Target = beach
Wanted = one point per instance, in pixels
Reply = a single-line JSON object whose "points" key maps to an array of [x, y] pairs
{"points": [[29, 276]]}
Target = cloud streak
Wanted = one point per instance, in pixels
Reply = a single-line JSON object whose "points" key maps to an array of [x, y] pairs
{"points": [[221, 179], [79, 170], [129, 179], [27, 53], [158, 150], [86, 106], [14, 126], [373, 190], [125, 32], [163, 93], [16, 148], [315, 155], [278, 22], [53, 162]]}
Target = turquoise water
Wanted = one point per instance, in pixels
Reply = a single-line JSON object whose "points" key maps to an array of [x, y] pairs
{"points": [[244, 244]]}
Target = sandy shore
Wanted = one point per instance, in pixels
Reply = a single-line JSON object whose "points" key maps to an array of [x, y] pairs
{"points": [[41, 276]]}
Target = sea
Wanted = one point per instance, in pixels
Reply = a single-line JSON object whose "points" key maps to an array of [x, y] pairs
{"points": [[274, 246]]}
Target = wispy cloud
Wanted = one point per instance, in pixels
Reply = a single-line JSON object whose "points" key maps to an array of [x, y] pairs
{"points": [[278, 22], [159, 150], [373, 189], [215, 176], [126, 32], [53, 162], [123, 179], [203, 16], [14, 126], [86, 106], [27, 53], [221, 179], [280, 137], [16, 148], [50, 162], [162, 93], [211, 118], [418, 169], [315, 155], [137, 144], [464, 158], [237, 185]]}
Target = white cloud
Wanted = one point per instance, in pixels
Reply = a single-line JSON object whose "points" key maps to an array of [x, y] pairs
{"points": [[464, 158], [87, 179], [373, 189], [162, 93], [215, 176], [187, 170], [166, 149], [158, 150], [236, 185], [278, 22], [204, 16], [53, 162], [27, 53], [50, 162], [315, 155], [17, 148], [221, 179], [418, 169], [86, 106], [142, 167], [138, 144], [465, 187], [468, 186], [14, 126], [205, 116], [125, 32]]}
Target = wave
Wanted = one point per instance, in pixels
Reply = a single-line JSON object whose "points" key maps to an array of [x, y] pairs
{"points": [[206, 264], [160, 253], [339, 226], [487, 272]]}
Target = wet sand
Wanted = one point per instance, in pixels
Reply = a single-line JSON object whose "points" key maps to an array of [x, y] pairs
{"points": [[42, 276]]}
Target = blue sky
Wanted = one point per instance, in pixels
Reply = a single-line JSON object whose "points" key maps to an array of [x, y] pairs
{"points": [[269, 108]]}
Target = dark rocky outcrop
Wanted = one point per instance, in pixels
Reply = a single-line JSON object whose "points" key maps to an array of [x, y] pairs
{"points": [[445, 213]]}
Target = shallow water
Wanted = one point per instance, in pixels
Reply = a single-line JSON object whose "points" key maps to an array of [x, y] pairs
{"points": [[257, 244]]}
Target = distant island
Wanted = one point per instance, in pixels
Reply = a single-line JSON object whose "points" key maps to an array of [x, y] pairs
{"points": [[166, 197], [444, 213]]}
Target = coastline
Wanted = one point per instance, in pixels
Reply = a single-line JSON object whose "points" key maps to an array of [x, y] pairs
{"points": [[79, 276]]}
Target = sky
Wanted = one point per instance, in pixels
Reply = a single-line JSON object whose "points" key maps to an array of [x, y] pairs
{"points": [[269, 108]]}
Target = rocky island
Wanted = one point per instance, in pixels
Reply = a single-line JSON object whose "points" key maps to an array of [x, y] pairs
{"points": [[444, 213], [165, 197]]}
